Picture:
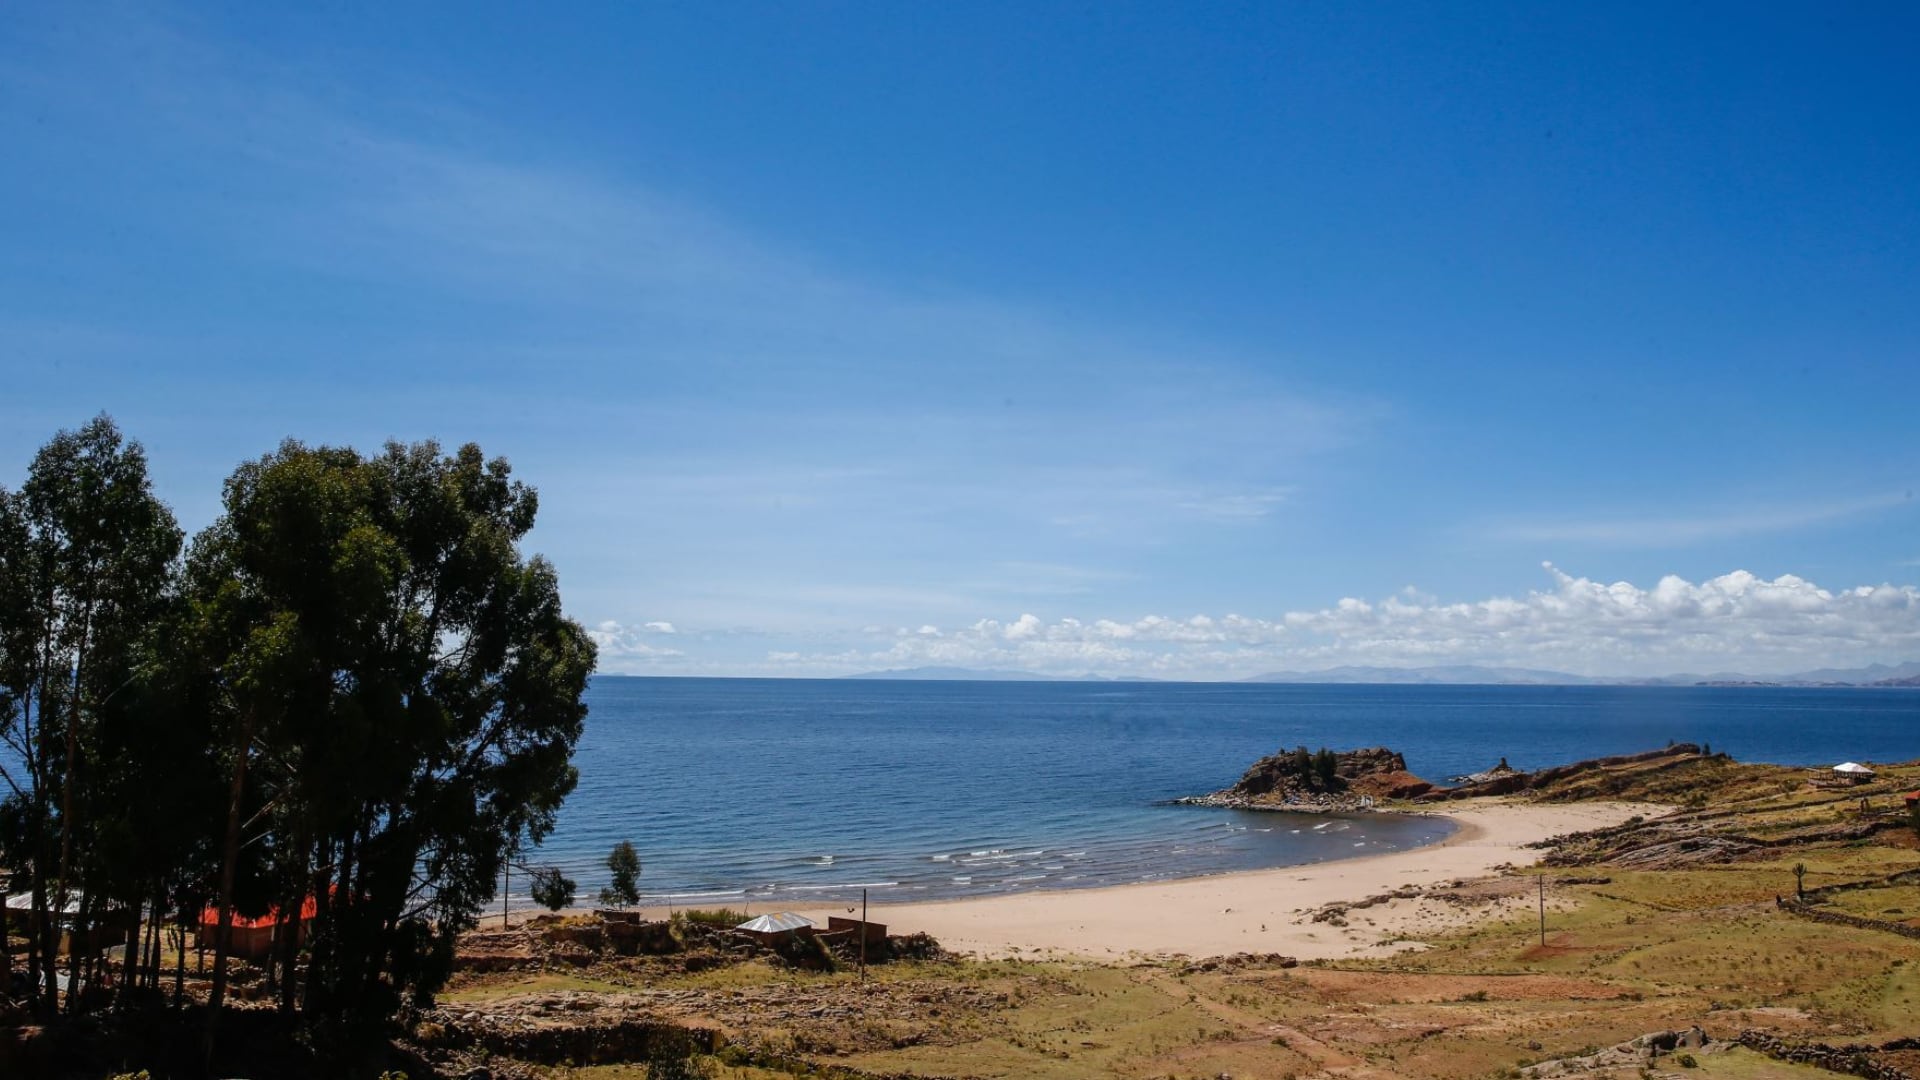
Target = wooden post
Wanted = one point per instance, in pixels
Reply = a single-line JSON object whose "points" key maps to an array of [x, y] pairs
{"points": [[1542, 879], [506, 889], [863, 935]]}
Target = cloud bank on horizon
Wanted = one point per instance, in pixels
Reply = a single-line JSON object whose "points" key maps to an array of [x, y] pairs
{"points": [[1736, 621]]}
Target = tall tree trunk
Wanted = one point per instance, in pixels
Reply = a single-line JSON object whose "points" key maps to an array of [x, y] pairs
{"points": [[83, 957], [179, 960], [135, 951], [289, 948], [229, 860], [156, 941], [46, 926], [330, 864], [72, 766]]}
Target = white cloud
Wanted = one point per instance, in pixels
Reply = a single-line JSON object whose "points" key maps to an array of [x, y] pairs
{"points": [[1737, 621], [625, 649], [1021, 629]]}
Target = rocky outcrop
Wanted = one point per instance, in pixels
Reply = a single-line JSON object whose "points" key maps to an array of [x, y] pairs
{"points": [[1634, 1053], [1488, 776], [1354, 764], [1513, 782], [1296, 779]]}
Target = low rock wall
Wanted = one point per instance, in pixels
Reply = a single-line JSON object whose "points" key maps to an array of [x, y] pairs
{"points": [[1854, 1059], [1904, 877], [1841, 918]]}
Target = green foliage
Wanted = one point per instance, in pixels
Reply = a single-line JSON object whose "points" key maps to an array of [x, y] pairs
{"points": [[355, 678], [87, 556], [715, 917], [1326, 770], [623, 862], [408, 686], [551, 889], [1687, 1061], [675, 1067]]}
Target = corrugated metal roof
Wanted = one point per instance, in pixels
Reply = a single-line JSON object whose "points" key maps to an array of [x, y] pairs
{"points": [[776, 923], [24, 902], [1851, 767]]}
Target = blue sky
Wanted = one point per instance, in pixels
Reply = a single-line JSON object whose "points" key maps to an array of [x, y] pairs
{"points": [[1180, 340]]}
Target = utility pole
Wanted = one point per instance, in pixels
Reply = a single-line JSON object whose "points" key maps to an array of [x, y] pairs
{"points": [[1542, 879], [863, 935]]}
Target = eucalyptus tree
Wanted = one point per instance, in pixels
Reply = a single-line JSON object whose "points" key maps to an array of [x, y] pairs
{"points": [[401, 694], [86, 556]]}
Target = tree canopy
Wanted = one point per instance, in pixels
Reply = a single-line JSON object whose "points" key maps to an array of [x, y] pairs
{"points": [[86, 558], [354, 695]]}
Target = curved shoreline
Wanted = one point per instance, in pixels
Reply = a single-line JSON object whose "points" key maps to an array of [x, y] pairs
{"points": [[1262, 911], [1259, 911]]}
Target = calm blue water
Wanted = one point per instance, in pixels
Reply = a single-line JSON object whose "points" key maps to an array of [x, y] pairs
{"points": [[796, 791]]}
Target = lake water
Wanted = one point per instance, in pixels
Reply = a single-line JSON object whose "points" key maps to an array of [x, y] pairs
{"points": [[804, 791]]}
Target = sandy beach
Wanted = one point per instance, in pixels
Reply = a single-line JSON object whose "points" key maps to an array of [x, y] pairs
{"points": [[1259, 911]]}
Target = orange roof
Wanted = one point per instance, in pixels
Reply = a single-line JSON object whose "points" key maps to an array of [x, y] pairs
{"points": [[1913, 796], [211, 916]]}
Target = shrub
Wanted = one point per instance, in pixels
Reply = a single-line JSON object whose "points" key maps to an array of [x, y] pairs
{"points": [[624, 863], [718, 917]]}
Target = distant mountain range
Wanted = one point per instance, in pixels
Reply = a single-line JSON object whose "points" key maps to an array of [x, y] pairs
{"points": [[1882, 675], [960, 674], [1907, 674]]}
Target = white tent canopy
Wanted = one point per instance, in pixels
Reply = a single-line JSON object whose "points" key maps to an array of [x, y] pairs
{"points": [[1853, 768], [777, 923]]}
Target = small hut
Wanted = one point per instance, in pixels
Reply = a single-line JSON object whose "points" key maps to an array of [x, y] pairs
{"points": [[1852, 772], [255, 938], [770, 929]]}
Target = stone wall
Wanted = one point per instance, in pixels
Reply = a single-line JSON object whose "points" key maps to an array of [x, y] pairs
{"points": [[1841, 918], [1904, 877], [1854, 1059]]}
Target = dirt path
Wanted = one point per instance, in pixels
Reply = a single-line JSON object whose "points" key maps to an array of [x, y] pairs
{"points": [[1260, 1029]]}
